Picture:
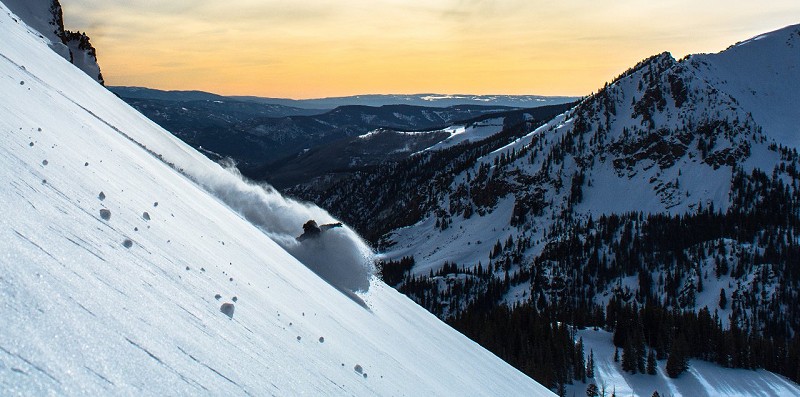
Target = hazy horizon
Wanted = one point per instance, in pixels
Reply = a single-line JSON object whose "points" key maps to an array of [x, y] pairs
{"points": [[454, 95]]}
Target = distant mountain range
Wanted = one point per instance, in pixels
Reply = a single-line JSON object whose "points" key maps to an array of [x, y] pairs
{"points": [[431, 100], [288, 145], [425, 100]]}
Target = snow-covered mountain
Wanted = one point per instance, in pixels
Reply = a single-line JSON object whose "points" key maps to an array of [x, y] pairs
{"points": [[46, 18], [134, 265], [673, 187], [666, 137]]}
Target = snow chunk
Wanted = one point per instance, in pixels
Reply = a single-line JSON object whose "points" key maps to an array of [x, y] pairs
{"points": [[227, 309]]}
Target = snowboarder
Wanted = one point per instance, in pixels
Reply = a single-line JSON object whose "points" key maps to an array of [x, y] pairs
{"points": [[311, 230]]}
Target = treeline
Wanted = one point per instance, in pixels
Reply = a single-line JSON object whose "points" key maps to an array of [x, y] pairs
{"points": [[534, 342], [641, 332]]}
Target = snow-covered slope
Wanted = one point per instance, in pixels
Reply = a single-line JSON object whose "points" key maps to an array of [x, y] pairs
{"points": [[117, 259], [469, 133], [701, 380], [762, 75]]}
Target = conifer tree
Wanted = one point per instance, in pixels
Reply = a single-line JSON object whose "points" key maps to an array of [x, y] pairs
{"points": [[628, 358], [591, 390], [580, 364], [676, 362], [641, 352], [651, 363]]}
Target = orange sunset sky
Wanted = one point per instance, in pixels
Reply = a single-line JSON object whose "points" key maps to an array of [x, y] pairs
{"points": [[320, 48]]}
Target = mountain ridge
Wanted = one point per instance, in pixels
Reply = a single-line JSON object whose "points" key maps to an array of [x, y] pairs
{"points": [[375, 100], [47, 18]]}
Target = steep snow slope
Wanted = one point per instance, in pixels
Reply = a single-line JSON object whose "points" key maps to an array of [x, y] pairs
{"points": [[701, 380], [116, 260], [761, 74]]}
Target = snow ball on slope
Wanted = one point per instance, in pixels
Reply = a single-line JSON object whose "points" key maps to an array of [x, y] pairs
{"points": [[146, 216], [127, 243], [227, 309], [101, 196], [105, 214]]}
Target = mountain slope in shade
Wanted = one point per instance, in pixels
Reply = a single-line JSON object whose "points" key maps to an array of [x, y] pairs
{"points": [[120, 269]]}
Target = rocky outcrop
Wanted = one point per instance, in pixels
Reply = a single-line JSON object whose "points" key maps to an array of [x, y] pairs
{"points": [[46, 17]]}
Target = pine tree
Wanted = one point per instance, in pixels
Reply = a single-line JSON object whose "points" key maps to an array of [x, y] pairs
{"points": [[629, 358], [591, 390], [590, 365], [655, 394], [616, 354], [580, 365], [723, 300], [676, 362], [641, 352], [651, 363]]}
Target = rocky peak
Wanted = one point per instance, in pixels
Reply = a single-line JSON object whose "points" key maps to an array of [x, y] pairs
{"points": [[47, 17]]}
